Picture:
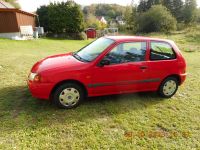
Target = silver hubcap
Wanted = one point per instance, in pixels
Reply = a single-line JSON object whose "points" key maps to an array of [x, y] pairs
{"points": [[169, 87], [69, 97]]}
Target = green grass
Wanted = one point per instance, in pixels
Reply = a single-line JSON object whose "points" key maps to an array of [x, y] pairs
{"points": [[101, 122]]}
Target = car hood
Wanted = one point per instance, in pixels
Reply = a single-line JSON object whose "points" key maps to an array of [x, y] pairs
{"points": [[61, 61]]}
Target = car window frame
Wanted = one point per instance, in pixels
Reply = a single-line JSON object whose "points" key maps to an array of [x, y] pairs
{"points": [[122, 42], [161, 59]]}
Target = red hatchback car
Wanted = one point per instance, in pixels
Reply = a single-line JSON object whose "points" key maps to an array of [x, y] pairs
{"points": [[109, 65]]}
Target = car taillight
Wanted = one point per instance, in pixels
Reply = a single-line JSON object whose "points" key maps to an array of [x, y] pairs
{"points": [[34, 77], [37, 78]]}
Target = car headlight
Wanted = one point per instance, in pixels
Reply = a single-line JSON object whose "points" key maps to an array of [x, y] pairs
{"points": [[34, 77]]}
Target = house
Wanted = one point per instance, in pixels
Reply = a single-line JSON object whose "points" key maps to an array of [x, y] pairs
{"points": [[12, 20], [102, 19], [119, 20]]}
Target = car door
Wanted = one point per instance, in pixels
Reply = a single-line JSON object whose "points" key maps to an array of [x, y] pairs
{"points": [[126, 71], [162, 62]]}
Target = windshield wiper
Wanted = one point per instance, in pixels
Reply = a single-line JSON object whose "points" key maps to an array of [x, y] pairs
{"points": [[79, 58]]}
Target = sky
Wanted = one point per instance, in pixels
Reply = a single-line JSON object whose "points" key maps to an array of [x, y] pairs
{"points": [[32, 5]]}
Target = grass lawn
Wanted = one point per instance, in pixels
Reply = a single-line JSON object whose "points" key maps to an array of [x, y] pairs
{"points": [[133, 121]]}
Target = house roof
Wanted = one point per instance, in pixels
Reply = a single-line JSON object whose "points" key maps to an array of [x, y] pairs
{"points": [[99, 17], [5, 5], [16, 10]]}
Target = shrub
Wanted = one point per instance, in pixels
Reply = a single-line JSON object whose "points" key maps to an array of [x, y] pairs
{"points": [[61, 19], [71, 36], [181, 26], [156, 19], [82, 36]]}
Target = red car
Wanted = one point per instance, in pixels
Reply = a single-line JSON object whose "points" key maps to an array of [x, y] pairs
{"points": [[109, 65]]}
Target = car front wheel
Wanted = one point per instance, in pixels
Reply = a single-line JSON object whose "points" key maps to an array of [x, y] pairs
{"points": [[68, 95], [168, 87]]}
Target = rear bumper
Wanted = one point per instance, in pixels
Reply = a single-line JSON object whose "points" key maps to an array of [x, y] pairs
{"points": [[40, 90], [182, 77]]}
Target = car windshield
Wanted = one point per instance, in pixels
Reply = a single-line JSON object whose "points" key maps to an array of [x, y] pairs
{"points": [[93, 50]]}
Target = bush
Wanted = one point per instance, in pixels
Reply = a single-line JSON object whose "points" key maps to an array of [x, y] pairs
{"points": [[82, 36], [156, 19], [71, 36], [181, 26], [62, 19]]}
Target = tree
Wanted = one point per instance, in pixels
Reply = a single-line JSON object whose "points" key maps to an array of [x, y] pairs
{"points": [[43, 17], [109, 11], [145, 5], [175, 7], [89, 9], [150, 3], [92, 21], [65, 17], [142, 7], [198, 15], [14, 3], [177, 10], [130, 17], [156, 19], [75, 24], [190, 11]]}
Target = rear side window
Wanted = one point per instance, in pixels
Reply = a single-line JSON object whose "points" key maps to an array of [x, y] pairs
{"points": [[161, 51]]}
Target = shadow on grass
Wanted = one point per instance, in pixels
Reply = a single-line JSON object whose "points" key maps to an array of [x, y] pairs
{"points": [[16, 103], [13, 98]]}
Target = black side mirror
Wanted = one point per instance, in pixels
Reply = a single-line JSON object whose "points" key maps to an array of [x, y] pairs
{"points": [[104, 62]]}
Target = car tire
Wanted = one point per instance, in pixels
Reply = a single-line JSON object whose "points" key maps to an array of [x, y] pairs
{"points": [[168, 87], [68, 95]]}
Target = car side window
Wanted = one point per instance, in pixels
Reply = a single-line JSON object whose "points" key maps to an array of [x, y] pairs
{"points": [[161, 51], [127, 52]]}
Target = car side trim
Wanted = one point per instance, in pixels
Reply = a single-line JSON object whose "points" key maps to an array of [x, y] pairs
{"points": [[123, 82]]}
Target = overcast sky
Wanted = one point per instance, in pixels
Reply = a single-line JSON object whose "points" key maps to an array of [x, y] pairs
{"points": [[32, 5]]}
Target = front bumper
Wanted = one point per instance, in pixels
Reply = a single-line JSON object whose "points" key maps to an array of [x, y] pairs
{"points": [[40, 90]]}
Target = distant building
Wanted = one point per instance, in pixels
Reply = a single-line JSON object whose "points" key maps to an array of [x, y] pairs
{"points": [[102, 19], [119, 20], [11, 19]]}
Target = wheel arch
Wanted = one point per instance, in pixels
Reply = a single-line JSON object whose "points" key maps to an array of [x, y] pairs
{"points": [[173, 75], [68, 81]]}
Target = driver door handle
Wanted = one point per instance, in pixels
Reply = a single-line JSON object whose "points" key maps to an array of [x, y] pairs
{"points": [[143, 67]]}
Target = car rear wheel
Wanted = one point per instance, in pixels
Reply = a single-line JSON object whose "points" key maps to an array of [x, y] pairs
{"points": [[168, 87], [68, 95]]}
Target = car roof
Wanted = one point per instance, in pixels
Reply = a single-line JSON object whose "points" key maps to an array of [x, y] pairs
{"points": [[127, 38]]}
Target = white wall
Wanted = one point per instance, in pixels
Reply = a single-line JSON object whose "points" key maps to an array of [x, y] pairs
{"points": [[10, 35]]}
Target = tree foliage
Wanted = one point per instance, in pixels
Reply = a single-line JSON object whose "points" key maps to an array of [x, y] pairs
{"points": [[175, 7], [64, 17], [92, 22], [110, 11], [130, 17], [14, 3], [189, 11], [198, 15], [145, 5], [156, 19], [180, 10]]}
